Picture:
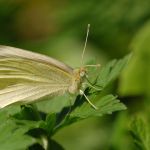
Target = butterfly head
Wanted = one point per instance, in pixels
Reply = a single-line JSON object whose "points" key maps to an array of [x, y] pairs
{"points": [[82, 72]]}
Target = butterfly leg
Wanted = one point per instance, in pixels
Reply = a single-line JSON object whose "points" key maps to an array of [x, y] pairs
{"points": [[89, 84], [82, 93]]}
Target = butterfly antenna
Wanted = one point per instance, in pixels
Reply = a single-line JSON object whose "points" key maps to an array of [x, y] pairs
{"points": [[87, 34]]}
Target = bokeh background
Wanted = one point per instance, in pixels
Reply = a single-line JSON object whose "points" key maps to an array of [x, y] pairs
{"points": [[58, 28]]}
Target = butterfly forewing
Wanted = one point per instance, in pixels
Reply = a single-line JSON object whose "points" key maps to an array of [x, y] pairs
{"points": [[26, 77], [7, 51], [30, 69]]}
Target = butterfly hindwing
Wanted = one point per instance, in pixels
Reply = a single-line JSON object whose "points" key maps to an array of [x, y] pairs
{"points": [[27, 93]]}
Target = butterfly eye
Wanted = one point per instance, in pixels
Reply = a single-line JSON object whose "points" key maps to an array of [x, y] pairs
{"points": [[82, 73]]}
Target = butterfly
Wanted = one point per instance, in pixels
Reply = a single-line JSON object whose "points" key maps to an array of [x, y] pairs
{"points": [[26, 77]]}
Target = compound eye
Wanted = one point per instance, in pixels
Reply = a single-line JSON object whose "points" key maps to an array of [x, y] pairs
{"points": [[82, 74]]}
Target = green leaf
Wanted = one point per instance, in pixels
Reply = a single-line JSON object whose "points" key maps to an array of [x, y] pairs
{"points": [[106, 105], [14, 127], [111, 71], [141, 134], [28, 112], [49, 123], [13, 136]]}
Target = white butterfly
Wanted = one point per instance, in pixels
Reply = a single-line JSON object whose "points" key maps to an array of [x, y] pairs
{"points": [[27, 76]]}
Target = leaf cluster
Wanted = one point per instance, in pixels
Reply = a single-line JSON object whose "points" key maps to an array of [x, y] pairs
{"points": [[32, 127]]}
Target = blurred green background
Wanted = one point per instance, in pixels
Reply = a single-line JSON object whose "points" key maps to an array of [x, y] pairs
{"points": [[58, 29]]}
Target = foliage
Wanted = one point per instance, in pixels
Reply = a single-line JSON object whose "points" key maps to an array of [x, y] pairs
{"points": [[140, 132], [58, 28], [30, 128]]}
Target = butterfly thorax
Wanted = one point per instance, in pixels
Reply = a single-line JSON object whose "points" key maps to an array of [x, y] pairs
{"points": [[77, 80]]}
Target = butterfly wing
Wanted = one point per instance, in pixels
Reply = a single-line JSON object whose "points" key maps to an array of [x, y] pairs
{"points": [[7, 51], [26, 79], [25, 93]]}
